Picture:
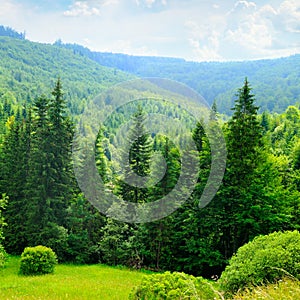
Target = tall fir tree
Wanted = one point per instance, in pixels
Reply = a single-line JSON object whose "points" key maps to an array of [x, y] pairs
{"points": [[235, 200], [244, 135], [14, 168], [156, 236], [137, 161], [50, 181], [60, 143]]}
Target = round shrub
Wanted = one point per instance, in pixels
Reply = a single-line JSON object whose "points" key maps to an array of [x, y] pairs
{"points": [[264, 260], [37, 261], [172, 286]]}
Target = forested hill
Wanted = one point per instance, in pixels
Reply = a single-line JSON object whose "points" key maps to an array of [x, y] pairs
{"points": [[276, 82], [29, 69]]}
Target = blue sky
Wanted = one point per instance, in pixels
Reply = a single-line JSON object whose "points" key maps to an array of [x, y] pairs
{"points": [[198, 30]]}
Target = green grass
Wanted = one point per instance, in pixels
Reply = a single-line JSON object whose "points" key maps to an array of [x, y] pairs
{"points": [[68, 282], [103, 282], [287, 289]]}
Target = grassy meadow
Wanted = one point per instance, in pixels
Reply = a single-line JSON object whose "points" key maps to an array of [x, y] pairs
{"points": [[68, 282], [81, 282]]}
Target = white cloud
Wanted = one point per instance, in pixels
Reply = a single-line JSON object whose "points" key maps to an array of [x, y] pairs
{"points": [[9, 10], [289, 11], [246, 31], [82, 8], [150, 3], [110, 2], [208, 51], [243, 4], [192, 29], [6, 7], [129, 47]]}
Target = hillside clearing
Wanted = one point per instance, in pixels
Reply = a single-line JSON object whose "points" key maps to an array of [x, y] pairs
{"points": [[68, 282]]}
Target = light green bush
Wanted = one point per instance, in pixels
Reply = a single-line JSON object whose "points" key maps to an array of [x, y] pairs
{"points": [[3, 203], [37, 261], [264, 260], [3, 256], [172, 286]]}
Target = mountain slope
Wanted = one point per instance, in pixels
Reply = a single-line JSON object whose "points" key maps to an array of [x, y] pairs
{"points": [[275, 82], [29, 69]]}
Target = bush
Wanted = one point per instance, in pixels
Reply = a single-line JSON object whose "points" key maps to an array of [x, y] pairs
{"points": [[3, 256], [174, 286], [264, 260], [3, 203], [37, 261]]}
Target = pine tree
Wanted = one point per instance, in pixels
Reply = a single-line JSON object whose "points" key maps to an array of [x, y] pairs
{"points": [[14, 167], [236, 198], [101, 158], [60, 142], [209, 235], [155, 237], [137, 161], [38, 202], [243, 138], [50, 181]]}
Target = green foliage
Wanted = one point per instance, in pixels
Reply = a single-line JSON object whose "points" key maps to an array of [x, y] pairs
{"points": [[174, 286], [7, 31], [85, 282], [118, 244], [264, 260], [259, 194], [286, 289], [84, 225], [3, 203], [30, 69], [3, 256], [136, 159], [15, 152], [276, 81], [43, 184], [37, 260]]}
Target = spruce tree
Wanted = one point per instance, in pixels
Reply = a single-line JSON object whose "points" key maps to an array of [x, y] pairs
{"points": [[14, 167], [38, 202], [237, 196], [137, 161], [50, 181], [60, 142], [156, 236], [243, 138]]}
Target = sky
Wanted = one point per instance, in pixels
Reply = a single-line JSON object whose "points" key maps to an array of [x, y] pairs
{"points": [[196, 30]]}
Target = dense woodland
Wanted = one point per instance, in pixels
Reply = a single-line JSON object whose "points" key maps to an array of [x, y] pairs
{"points": [[276, 81], [44, 205]]}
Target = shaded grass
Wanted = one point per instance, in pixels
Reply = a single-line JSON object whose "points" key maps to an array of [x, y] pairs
{"points": [[68, 282]]}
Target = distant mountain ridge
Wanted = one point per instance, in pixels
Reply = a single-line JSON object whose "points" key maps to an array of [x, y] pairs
{"points": [[275, 82], [28, 69], [10, 32]]}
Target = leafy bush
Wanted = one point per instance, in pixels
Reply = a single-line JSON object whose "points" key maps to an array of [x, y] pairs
{"points": [[174, 286], [3, 203], [37, 260], [3, 256], [264, 260], [287, 289]]}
